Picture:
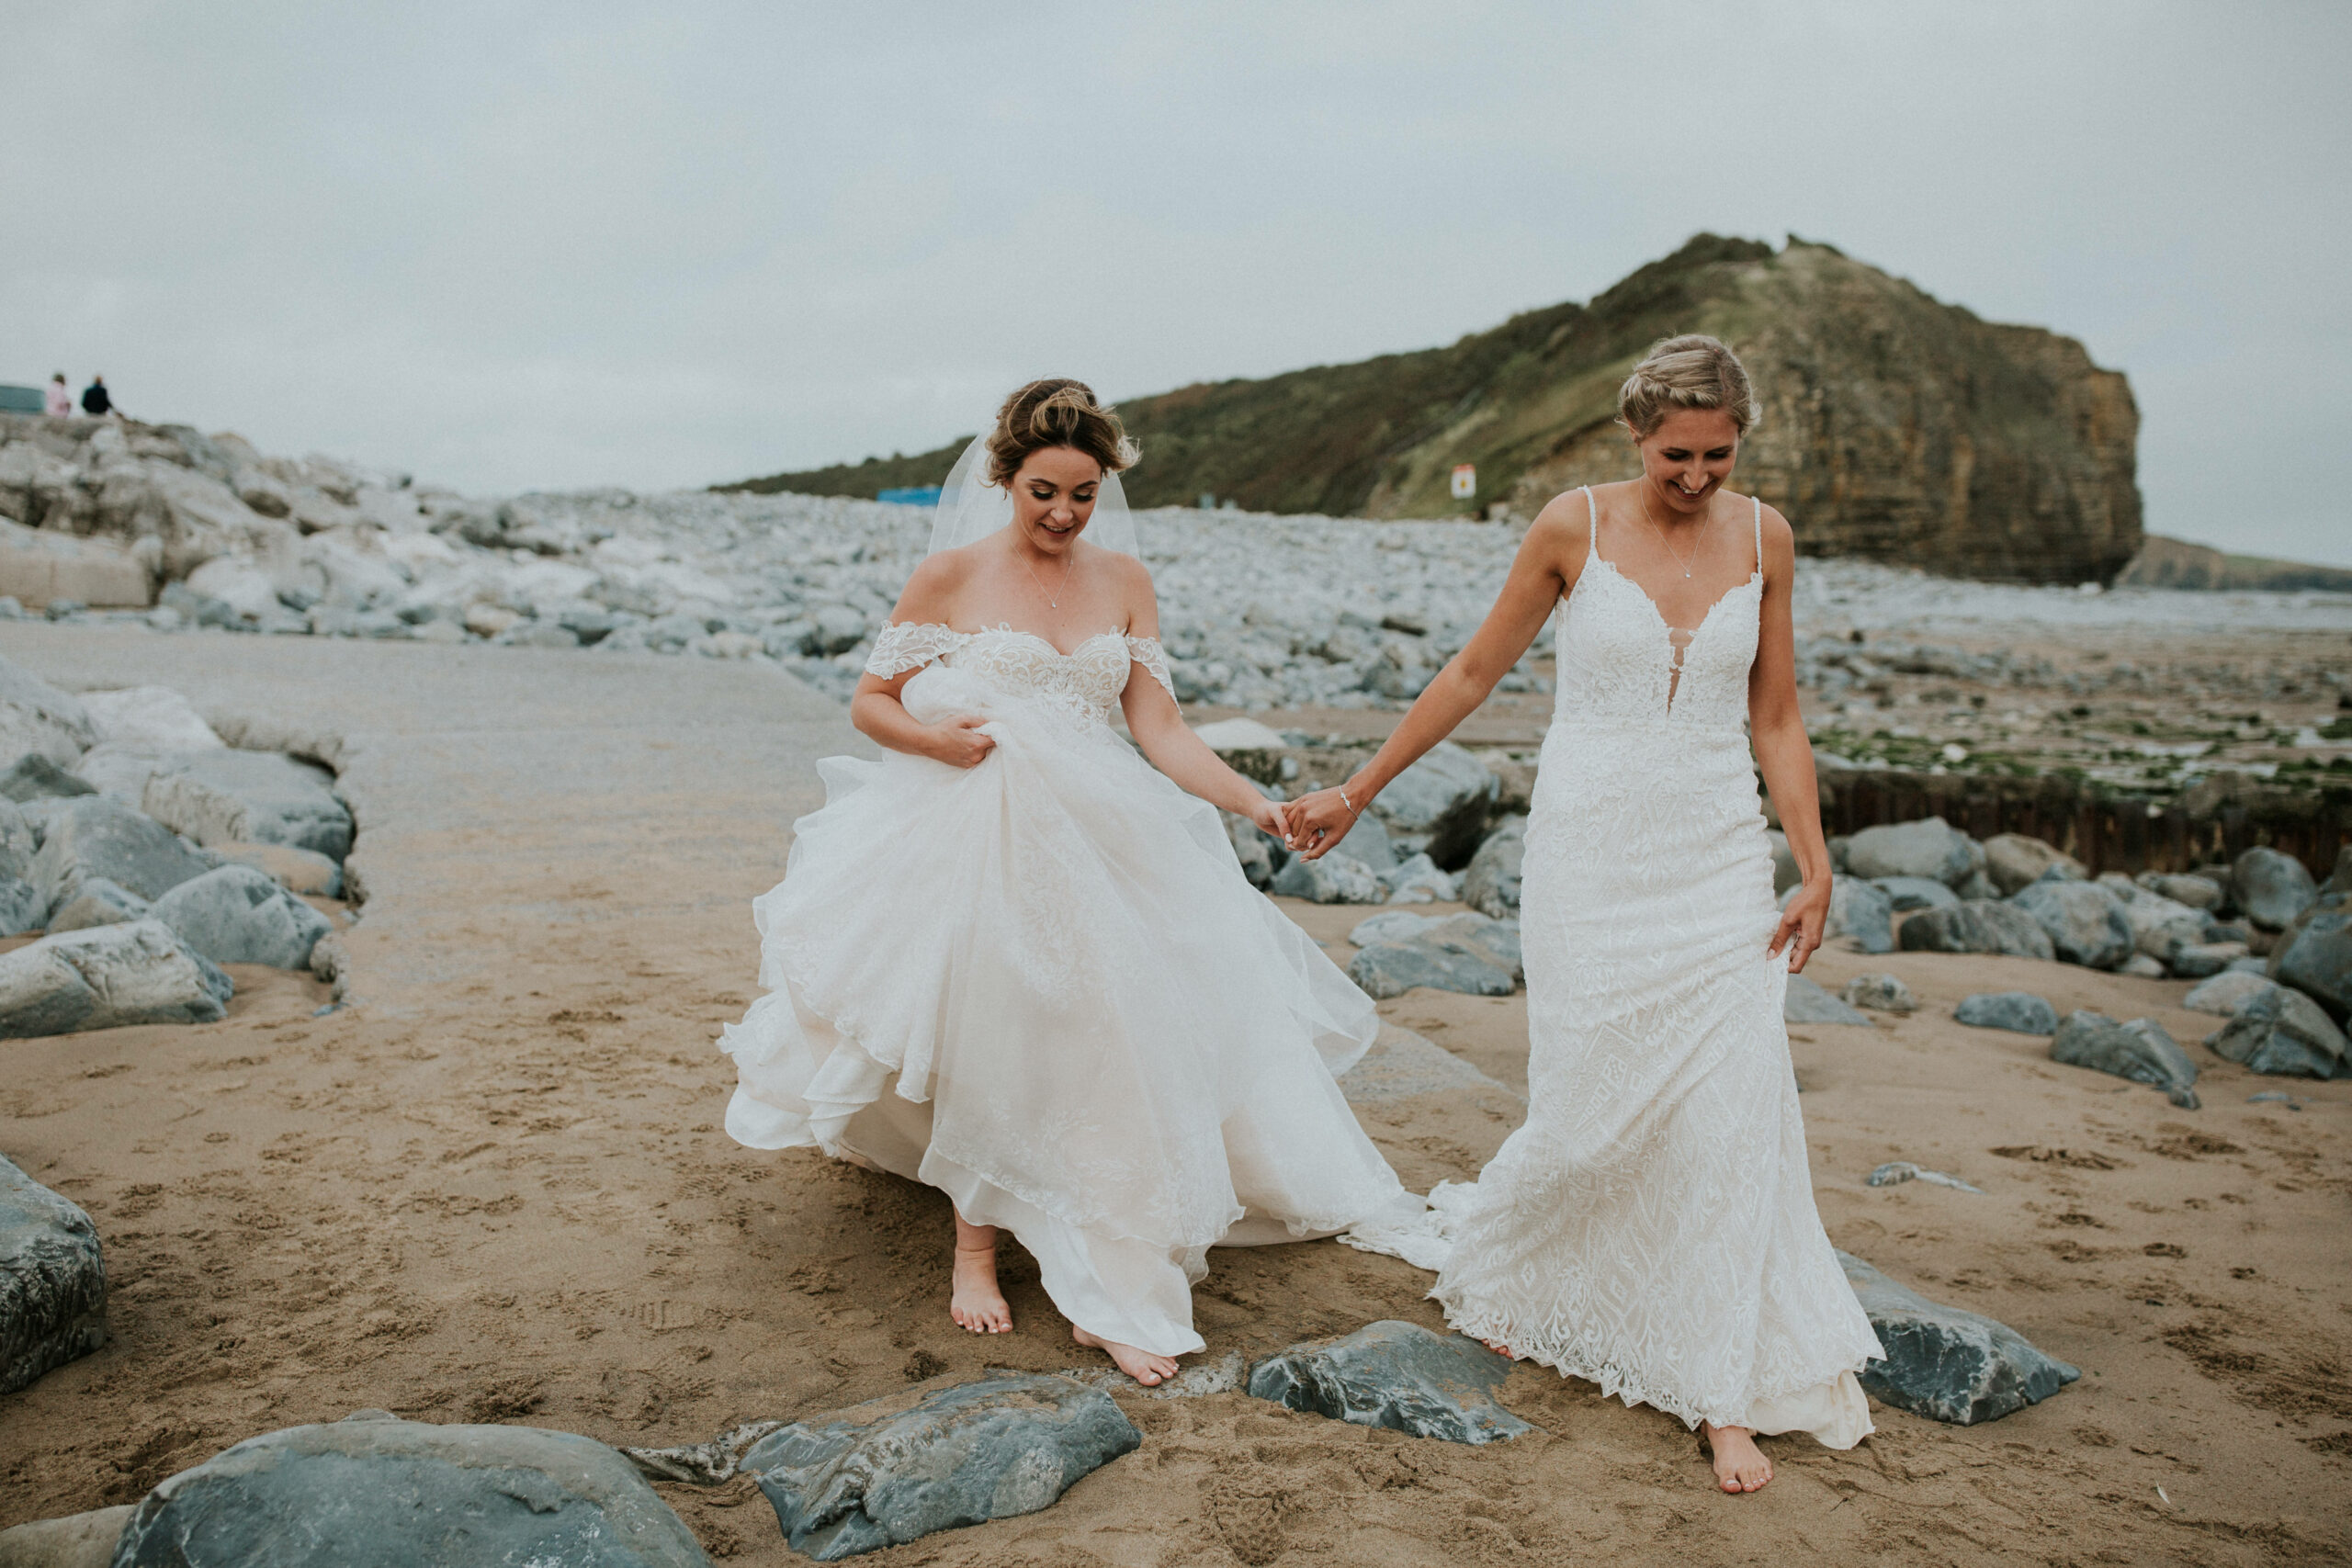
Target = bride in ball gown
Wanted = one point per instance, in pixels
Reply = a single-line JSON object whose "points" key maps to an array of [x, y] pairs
{"points": [[1013, 961], [1651, 1226]]}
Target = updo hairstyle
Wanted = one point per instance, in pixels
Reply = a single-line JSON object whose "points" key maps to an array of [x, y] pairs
{"points": [[1692, 371], [1056, 411]]}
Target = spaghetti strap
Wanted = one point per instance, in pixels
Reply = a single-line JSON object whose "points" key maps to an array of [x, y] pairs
{"points": [[1759, 501], [1592, 526]]}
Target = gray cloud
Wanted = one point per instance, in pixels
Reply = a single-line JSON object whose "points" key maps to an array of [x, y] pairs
{"points": [[562, 245]]}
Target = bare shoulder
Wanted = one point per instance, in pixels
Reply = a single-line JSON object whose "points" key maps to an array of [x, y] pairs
{"points": [[1779, 539], [931, 590], [1132, 582], [1562, 529]]}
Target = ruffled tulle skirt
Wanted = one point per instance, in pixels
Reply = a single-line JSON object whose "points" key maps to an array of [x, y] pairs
{"points": [[1042, 985]]}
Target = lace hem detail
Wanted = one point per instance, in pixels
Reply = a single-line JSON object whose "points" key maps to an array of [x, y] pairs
{"points": [[1147, 651], [910, 645]]}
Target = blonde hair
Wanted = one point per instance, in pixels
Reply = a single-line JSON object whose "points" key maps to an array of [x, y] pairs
{"points": [[1056, 411], [1693, 371]]}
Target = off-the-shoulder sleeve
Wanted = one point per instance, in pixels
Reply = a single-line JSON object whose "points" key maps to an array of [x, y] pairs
{"points": [[910, 645], [1147, 651]]}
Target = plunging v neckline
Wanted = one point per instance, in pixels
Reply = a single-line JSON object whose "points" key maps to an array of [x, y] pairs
{"points": [[1670, 627]]}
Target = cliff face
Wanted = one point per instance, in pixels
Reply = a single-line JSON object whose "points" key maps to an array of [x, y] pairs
{"points": [[1895, 427]]}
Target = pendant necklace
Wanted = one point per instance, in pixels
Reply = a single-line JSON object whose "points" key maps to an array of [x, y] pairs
{"points": [[1054, 599], [1678, 561]]}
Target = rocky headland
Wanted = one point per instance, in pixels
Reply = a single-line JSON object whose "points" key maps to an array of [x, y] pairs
{"points": [[1896, 428]]}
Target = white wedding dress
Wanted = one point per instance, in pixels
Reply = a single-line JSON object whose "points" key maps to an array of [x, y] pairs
{"points": [[1043, 986], [1651, 1227]]}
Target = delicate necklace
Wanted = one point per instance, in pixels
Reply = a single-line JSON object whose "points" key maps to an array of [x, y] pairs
{"points": [[1054, 599], [1679, 559]]}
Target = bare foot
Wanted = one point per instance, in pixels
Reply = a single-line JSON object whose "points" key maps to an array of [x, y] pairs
{"points": [[1141, 1365], [1499, 1349], [977, 1304], [1740, 1465]]}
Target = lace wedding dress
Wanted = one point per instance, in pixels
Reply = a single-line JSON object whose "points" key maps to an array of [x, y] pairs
{"points": [[1043, 986], [1651, 1226]]}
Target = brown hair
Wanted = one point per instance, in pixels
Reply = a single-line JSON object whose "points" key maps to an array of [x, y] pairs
{"points": [[1693, 371], [1056, 411]]}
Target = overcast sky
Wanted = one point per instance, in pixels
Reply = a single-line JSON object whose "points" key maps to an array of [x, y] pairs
{"points": [[551, 245]]}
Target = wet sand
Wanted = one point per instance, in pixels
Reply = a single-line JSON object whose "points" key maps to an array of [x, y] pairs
{"points": [[495, 1189]]}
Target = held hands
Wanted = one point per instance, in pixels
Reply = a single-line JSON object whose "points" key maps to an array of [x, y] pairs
{"points": [[958, 742], [1316, 823], [1269, 818], [1801, 924]]}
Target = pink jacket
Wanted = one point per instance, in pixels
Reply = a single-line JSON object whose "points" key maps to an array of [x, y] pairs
{"points": [[60, 401]]}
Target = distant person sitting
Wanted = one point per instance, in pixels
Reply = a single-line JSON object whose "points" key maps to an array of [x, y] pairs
{"points": [[60, 404], [94, 400]]}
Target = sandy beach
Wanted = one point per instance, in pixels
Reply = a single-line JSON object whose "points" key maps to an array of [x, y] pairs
{"points": [[494, 1188]]}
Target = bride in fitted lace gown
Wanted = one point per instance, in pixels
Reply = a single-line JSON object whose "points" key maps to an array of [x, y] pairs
{"points": [[1651, 1226], [1014, 961]]}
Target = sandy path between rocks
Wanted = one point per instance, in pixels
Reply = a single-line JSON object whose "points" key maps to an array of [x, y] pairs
{"points": [[495, 1190]]}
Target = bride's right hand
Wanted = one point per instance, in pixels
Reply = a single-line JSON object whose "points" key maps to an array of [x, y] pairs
{"points": [[958, 741], [1318, 822]]}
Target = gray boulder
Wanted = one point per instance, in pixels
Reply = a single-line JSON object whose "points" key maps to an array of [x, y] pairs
{"points": [[1439, 806], [2019, 1012], [1807, 1002], [1881, 993], [105, 977], [1467, 952], [2197, 892], [1416, 881], [1398, 1375], [1491, 885], [77, 1540], [99, 835], [34, 777], [37, 719], [2161, 926], [2084, 921], [2272, 888], [2014, 860], [1932, 849], [893, 1471], [2316, 957], [23, 907], [372, 1491], [1259, 852], [1337, 878], [2225, 993], [2199, 961], [238, 915], [97, 902], [1977, 925], [1368, 843], [2139, 1050], [1909, 893], [52, 1281], [251, 797], [1945, 1363], [18, 842], [838, 629], [1785, 873], [2284, 1032]]}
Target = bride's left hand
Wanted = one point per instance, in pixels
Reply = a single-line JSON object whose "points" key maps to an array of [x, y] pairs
{"points": [[1801, 925]]}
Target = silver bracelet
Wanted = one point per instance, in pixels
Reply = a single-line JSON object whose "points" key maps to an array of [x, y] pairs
{"points": [[1349, 804]]}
